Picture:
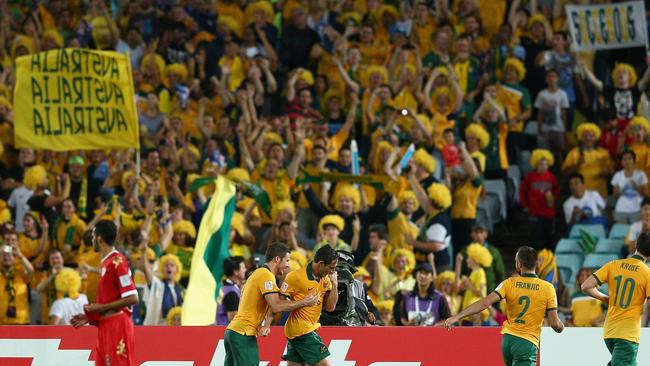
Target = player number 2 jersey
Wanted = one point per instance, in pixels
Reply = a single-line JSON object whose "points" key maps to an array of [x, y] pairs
{"points": [[528, 298], [628, 282], [115, 280]]}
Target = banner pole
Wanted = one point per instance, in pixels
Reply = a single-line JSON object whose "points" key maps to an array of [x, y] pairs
{"points": [[137, 170]]}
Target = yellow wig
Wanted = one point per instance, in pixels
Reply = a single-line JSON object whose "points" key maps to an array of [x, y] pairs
{"points": [[374, 69], [281, 206], [539, 154], [408, 195], [536, 18], [584, 127], [172, 313], [232, 24], [202, 36], [171, 258], [410, 259], [388, 9], [68, 282], [440, 195], [178, 69], [157, 61], [640, 121], [518, 65], [307, 77], [446, 276], [425, 160], [479, 254], [624, 67], [350, 192], [238, 175], [34, 177], [5, 213], [335, 220], [263, 6], [273, 137], [478, 131], [137, 255], [186, 227]]}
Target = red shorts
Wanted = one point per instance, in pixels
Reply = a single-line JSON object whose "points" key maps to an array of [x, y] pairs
{"points": [[116, 340]]}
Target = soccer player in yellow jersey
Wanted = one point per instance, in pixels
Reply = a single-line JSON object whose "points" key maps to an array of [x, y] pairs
{"points": [[628, 281], [319, 277], [528, 300], [260, 299]]}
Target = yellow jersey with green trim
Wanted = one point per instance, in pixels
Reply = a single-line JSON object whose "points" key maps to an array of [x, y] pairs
{"points": [[628, 282], [297, 285], [253, 306], [528, 298]]}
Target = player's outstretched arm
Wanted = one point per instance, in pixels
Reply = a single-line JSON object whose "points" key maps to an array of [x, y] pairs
{"points": [[475, 308], [279, 306], [554, 321], [590, 288]]}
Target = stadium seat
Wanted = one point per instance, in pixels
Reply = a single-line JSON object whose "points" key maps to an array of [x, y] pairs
{"points": [[496, 187], [514, 181], [610, 246], [524, 158], [483, 214], [568, 246], [595, 230], [567, 275], [531, 128], [597, 260], [619, 231], [570, 260]]}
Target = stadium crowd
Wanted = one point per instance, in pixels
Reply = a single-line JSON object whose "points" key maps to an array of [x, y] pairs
{"points": [[272, 94]]}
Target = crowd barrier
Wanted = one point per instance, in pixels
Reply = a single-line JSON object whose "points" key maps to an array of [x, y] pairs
{"points": [[367, 346]]}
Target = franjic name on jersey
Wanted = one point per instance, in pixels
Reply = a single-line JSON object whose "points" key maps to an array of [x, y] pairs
{"points": [[527, 286]]}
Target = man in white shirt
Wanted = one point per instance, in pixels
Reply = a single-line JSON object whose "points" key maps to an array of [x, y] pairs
{"points": [[639, 227], [584, 206], [68, 283], [18, 202], [552, 104]]}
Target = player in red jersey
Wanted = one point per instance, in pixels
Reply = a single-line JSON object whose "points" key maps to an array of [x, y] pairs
{"points": [[116, 294]]}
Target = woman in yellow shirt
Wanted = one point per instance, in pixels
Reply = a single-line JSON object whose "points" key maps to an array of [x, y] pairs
{"points": [[590, 160]]}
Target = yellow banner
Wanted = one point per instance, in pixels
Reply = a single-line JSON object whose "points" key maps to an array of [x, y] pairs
{"points": [[75, 99]]}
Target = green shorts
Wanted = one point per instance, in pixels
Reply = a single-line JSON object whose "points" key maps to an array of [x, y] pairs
{"points": [[241, 350], [623, 352], [308, 348], [518, 351]]}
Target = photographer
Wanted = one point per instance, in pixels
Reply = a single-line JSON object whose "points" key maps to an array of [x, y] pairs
{"points": [[424, 305]]}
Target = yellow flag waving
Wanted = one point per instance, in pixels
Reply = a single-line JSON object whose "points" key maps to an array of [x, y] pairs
{"points": [[200, 304]]}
